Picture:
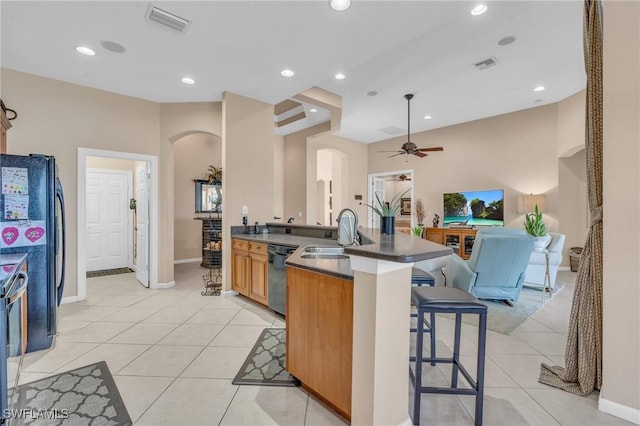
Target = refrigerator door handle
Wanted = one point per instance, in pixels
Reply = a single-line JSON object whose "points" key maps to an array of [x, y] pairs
{"points": [[60, 197]]}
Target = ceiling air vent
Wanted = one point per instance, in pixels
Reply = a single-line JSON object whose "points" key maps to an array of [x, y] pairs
{"points": [[167, 19], [487, 63]]}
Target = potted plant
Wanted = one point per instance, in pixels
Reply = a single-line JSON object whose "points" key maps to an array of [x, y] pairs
{"points": [[417, 231], [534, 225], [214, 174], [387, 212]]}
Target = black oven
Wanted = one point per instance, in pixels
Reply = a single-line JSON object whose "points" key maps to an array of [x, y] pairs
{"points": [[13, 326]]}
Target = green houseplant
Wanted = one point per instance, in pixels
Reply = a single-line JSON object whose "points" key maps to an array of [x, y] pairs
{"points": [[387, 212], [214, 174], [417, 231], [534, 225]]}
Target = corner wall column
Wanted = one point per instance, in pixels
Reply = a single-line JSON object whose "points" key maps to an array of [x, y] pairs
{"points": [[381, 320]]}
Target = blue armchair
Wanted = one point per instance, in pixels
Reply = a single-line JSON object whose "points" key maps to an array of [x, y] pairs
{"points": [[496, 269]]}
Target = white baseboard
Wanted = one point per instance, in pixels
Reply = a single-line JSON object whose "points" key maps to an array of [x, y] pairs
{"points": [[564, 268], [228, 293], [158, 286], [622, 411], [195, 259], [69, 299]]}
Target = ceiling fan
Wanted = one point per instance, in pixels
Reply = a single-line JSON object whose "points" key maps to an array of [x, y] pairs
{"points": [[401, 178], [409, 147]]}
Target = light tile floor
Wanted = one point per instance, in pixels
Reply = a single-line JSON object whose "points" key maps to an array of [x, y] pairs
{"points": [[173, 354]]}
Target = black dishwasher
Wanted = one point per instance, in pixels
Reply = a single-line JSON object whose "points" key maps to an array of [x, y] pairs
{"points": [[277, 254]]}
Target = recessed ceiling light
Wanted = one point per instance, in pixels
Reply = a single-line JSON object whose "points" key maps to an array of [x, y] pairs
{"points": [[479, 9], [340, 76], [340, 5], [187, 80], [85, 50], [287, 73], [313, 110], [539, 89], [428, 117]]}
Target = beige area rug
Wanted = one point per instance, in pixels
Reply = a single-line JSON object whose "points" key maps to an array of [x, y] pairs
{"points": [[503, 318]]}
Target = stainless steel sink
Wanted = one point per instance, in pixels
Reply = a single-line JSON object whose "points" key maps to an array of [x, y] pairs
{"points": [[324, 253], [324, 250], [323, 256]]}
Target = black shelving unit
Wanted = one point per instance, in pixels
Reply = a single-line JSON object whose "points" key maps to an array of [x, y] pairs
{"points": [[212, 254]]}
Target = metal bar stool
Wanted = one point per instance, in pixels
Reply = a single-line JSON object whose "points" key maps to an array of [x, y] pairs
{"points": [[420, 278], [434, 300]]}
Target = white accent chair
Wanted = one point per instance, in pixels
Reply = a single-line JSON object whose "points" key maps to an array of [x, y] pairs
{"points": [[535, 269]]}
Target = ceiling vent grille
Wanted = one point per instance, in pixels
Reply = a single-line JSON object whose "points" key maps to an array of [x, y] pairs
{"points": [[167, 19], [487, 63]]}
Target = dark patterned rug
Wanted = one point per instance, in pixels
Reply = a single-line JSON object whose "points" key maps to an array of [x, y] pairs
{"points": [[103, 272], [265, 364], [84, 396]]}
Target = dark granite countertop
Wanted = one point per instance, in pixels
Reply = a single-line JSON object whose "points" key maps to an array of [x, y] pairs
{"points": [[400, 248]]}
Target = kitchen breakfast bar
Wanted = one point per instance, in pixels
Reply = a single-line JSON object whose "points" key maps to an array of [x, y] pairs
{"points": [[368, 285]]}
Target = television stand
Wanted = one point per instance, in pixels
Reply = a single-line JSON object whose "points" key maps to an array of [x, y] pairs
{"points": [[460, 239]]}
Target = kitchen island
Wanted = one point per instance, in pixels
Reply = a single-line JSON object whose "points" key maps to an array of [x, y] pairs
{"points": [[349, 318]]}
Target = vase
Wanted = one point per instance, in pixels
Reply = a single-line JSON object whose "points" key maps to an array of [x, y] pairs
{"points": [[541, 243], [387, 225]]}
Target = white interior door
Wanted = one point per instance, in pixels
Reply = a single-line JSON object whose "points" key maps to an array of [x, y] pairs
{"points": [[142, 224], [377, 188], [107, 219]]}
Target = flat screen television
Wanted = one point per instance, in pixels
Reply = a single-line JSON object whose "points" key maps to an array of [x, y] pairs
{"points": [[474, 208]]}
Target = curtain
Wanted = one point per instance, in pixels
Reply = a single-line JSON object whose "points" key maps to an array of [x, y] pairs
{"points": [[583, 357]]}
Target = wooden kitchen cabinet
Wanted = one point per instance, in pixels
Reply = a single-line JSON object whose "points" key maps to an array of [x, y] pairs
{"points": [[320, 335], [240, 266], [259, 283], [459, 239], [250, 270]]}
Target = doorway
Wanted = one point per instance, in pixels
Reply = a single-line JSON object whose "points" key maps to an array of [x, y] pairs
{"points": [[152, 204], [386, 185]]}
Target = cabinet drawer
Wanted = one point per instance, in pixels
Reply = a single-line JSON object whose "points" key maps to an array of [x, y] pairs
{"points": [[240, 244], [258, 248]]}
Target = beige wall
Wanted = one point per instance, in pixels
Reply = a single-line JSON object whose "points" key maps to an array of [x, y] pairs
{"points": [[295, 172], [57, 118], [355, 161], [249, 165], [515, 152], [192, 156], [621, 156], [178, 120], [571, 124], [112, 164]]}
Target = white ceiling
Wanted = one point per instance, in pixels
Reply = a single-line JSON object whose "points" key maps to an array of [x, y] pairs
{"points": [[393, 47]]}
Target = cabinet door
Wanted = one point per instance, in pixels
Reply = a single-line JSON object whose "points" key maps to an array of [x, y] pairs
{"points": [[259, 285], [434, 235], [320, 335], [240, 266], [452, 240]]}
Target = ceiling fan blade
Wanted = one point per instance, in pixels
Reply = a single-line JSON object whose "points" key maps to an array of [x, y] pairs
{"points": [[397, 150], [435, 148], [419, 154], [394, 155]]}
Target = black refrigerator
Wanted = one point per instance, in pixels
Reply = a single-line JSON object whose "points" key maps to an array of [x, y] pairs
{"points": [[32, 221]]}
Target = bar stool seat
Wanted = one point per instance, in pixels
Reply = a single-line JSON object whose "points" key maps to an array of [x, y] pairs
{"points": [[432, 300], [420, 278]]}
